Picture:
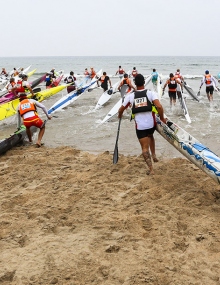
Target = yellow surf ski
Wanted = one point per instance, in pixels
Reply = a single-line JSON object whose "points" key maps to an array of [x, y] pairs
{"points": [[31, 72], [10, 108]]}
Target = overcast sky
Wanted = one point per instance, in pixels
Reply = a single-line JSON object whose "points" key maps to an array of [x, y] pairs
{"points": [[109, 27]]}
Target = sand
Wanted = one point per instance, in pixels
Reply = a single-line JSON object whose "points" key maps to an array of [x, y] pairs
{"points": [[71, 217]]}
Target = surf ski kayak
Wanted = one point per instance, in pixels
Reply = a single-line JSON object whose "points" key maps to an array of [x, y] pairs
{"points": [[191, 148], [113, 112], [147, 80], [106, 96], [10, 108], [190, 91], [70, 97], [14, 139], [184, 107]]}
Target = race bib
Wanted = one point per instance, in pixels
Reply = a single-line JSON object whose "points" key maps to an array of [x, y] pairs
{"points": [[25, 106], [140, 102]]}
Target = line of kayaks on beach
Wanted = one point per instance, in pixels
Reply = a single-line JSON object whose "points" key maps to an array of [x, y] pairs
{"points": [[184, 142]]}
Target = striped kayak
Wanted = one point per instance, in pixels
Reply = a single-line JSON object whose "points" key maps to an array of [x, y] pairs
{"points": [[191, 148], [71, 97], [10, 108]]}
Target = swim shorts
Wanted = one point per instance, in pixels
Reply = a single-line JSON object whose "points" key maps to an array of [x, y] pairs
{"points": [[33, 121]]}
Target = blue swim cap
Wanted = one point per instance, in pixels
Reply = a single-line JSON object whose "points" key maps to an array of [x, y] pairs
{"points": [[218, 75], [206, 72]]}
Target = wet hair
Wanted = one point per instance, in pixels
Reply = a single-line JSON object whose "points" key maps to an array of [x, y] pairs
{"points": [[119, 66], [171, 75], [12, 79], [125, 75], [104, 73], [71, 72], [178, 70], [134, 68], [154, 69], [22, 96], [24, 76], [139, 80]]}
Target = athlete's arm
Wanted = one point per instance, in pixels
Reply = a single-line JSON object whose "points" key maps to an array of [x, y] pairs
{"points": [[124, 105], [165, 85], [203, 81], [215, 81], [18, 117], [159, 109], [110, 82], [38, 104], [29, 88], [130, 84], [120, 111]]}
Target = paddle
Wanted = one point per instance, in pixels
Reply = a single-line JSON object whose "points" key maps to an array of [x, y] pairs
{"points": [[48, 119], [90, 89], [35, 90], [198, 94], [115, 155]]}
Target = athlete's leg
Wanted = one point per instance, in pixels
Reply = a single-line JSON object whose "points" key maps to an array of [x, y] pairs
{"points": [[40, 136], [208, 96], [171, 101], [28, 131], [152, 147], [145, 144], [211, 93]]}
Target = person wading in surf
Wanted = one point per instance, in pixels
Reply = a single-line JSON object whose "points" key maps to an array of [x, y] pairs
{"points": [[209, 81], [120, 72], [142, 101], [178, 76], [104, 79], [126, 81], [172, 86], [70, 79], [134, 72], [154, 78]]}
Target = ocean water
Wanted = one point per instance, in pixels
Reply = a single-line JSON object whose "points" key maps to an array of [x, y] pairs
{"points": [[79, 124]]}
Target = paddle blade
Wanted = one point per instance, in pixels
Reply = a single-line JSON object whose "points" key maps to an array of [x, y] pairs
{"points": [[115, 155], [198, 94], [35, 90]]}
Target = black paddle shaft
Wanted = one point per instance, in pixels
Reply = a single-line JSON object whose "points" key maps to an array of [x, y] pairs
{"points": [[115, 155]]}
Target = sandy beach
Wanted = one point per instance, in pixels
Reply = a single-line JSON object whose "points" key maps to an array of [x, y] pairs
{"points": [[72, 217]]}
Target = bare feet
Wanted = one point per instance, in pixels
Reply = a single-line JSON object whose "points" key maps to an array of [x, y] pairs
{"points": [[150, 172], [39, 144], [154, 158]]}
